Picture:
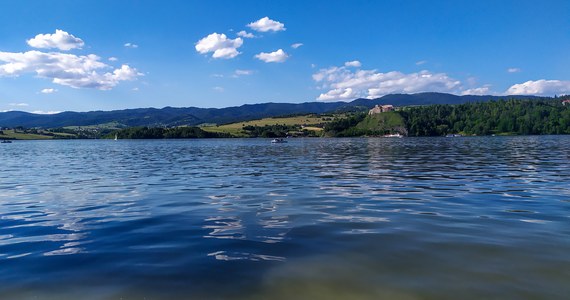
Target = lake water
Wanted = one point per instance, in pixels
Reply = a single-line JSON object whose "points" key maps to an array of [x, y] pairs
{"points": [[412, 218]]}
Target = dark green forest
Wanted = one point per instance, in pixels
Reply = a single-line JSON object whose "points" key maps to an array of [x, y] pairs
{"points": [[272, 131], [508, 117], [345, 127], [165, 133], [517, 117]]}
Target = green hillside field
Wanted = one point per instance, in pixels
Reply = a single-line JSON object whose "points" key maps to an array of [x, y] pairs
{"points": [[309, 122], [11, 134], [382, 123]]}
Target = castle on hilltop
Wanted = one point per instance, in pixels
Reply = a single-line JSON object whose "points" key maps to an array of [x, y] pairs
{"points": [[379, 109]]}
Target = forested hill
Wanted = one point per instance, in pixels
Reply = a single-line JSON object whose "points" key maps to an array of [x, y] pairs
{"points": [[170, 116], [430, 98], [522, 117]]}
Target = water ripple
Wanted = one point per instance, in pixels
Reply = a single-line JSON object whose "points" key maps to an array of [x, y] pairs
{"points": [[409, 218]]}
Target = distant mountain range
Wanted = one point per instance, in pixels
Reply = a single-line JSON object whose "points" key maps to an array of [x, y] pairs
{"points": [[171, 116]]}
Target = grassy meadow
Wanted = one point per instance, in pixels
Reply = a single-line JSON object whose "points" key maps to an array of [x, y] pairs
{"points": [[10, 134], [310, 122]]}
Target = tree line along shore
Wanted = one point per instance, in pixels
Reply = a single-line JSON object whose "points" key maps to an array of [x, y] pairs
{"points": [[497, 117]]}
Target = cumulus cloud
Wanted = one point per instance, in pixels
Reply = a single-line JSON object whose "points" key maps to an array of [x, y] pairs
{"points": [[220, 45], [278, 56], [354, 63], [484, 90], [113, 58], [540, 87], [60, 40], [218, 89], [48, 91], [343, 83], [296, 45], [225, 53], [130, 45], [265, 24], [85, 71], [338, 94], [246, 34], [513, 70]]}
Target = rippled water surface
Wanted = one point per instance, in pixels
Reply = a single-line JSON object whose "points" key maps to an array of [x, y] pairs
{"points": [[414, 218]]}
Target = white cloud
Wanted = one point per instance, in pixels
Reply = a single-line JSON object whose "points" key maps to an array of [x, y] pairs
{"points": [[344, 83], [113, 58], [60, 40], [48, 91], [131, 45], [278, 56], [246, 34], [421, 62], [226, 53], [218, 89], [513, 70], [83, 71], [265, 24], [338, 94], [220, 45], [484, 90], [296, 45], [41, 112], [540, 87], [354, 63], [19, 104], [243, 72]]}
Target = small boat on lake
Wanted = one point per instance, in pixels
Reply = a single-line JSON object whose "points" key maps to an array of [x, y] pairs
{"points": [[278, 141], [454, 135], [6, 142], [394, 135]]}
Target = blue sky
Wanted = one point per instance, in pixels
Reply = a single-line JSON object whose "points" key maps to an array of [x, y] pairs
{"points": [[104, 55]]}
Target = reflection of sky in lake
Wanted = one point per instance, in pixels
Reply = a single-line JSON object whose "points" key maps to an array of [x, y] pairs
{"points": [[366, 218], [65, 213]]}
